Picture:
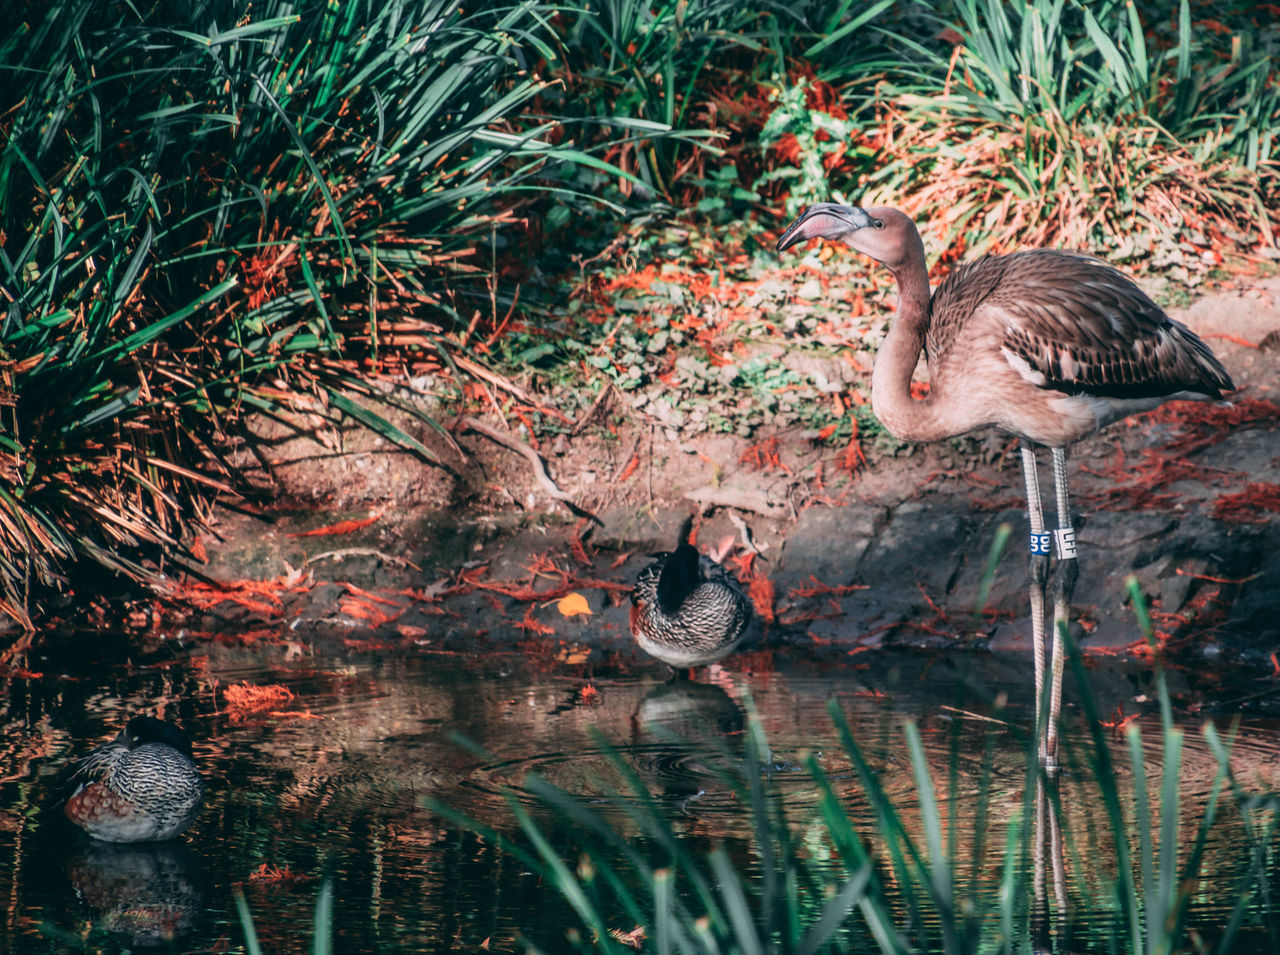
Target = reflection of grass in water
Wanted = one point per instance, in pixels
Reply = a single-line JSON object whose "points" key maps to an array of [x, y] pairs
{"points": [[909, 883], [322, 932]]}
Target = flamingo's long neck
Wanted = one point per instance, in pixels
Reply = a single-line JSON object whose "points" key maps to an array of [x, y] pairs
{"points": [[907, 418]]}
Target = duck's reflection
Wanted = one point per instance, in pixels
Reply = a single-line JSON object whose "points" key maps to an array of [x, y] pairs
{"points": [[697, 712], [145, 893], [686, 735]]}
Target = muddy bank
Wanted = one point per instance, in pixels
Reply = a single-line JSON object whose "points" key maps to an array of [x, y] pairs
{"points": [[477, 554]]}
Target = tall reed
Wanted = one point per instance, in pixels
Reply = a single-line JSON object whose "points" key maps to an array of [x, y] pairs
{"points": [[907, 881]]}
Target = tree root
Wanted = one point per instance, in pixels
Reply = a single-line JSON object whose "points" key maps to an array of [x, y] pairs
{"points": [[738, 501], [539, 466]]}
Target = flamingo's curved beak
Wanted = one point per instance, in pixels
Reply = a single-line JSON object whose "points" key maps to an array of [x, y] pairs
{"points": [[828, 220]]}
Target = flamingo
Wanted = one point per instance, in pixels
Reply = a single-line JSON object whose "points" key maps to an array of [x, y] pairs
{"points": [[1046, 345]]}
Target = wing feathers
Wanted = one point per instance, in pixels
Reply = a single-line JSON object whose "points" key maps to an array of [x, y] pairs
{"points": [[1072, 323]]}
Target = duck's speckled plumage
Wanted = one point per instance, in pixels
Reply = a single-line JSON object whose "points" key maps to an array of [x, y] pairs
{"points": [[687, 609], [141, 787]]}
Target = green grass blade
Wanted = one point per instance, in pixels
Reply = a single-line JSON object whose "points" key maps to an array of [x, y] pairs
{"points": [[150, 333], [872, 905], [835, 912], [864, 16], [318, 178], [322, 937], [1168, 886], [565, 882], [939, 869], [735, 903], [378, 424], [246, 923], [663, 916]]}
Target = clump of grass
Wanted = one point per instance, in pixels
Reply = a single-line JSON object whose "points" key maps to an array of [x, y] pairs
{"points": [[214, 212], [1067, 124], [904, 879]]}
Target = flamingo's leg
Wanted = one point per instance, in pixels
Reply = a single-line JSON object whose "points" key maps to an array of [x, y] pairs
{"points": [[1038, 578], [1064, 585]]}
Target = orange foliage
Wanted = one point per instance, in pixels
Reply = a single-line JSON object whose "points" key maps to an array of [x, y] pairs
{"points": [[474, 579], [342, 527], [760, 456], [762, 594], [533, 626], [1245, 506], [245, 698], [852, 458], [1202, 424], [578, 546], [360, 605], [821, 589], [1234, 339]]}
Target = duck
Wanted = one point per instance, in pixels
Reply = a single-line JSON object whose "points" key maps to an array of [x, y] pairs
{"points": [[687, 609], [142, 786]]}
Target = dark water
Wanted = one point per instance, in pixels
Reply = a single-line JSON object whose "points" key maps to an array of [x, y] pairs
{"points": [[337, 781]]}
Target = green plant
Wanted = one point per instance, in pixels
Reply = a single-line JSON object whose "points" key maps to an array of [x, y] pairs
{"points": [[688, 901], [214, 212], [649, 62], [1076, 61], [880, 875], [1061, 123], [817, 135]]}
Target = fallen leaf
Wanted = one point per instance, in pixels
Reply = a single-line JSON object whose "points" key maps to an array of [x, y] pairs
{"points": [[342, 527], [634, 938], [573, 604]]}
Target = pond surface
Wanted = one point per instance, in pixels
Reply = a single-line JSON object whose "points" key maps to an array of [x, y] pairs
{"points": [[338, 779]]}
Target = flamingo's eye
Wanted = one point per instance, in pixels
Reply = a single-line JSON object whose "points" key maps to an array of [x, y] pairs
{"points": [[878, 223]]}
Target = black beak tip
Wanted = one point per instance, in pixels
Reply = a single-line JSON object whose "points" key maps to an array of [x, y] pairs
{"points": [[792, 234], [796, 233]]}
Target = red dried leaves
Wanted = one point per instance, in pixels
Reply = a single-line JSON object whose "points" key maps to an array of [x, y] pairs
{"points": [[1248, 506], [1197, 425]]}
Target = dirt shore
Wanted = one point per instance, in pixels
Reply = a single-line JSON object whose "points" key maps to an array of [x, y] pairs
{"points": [[477, 554]]}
